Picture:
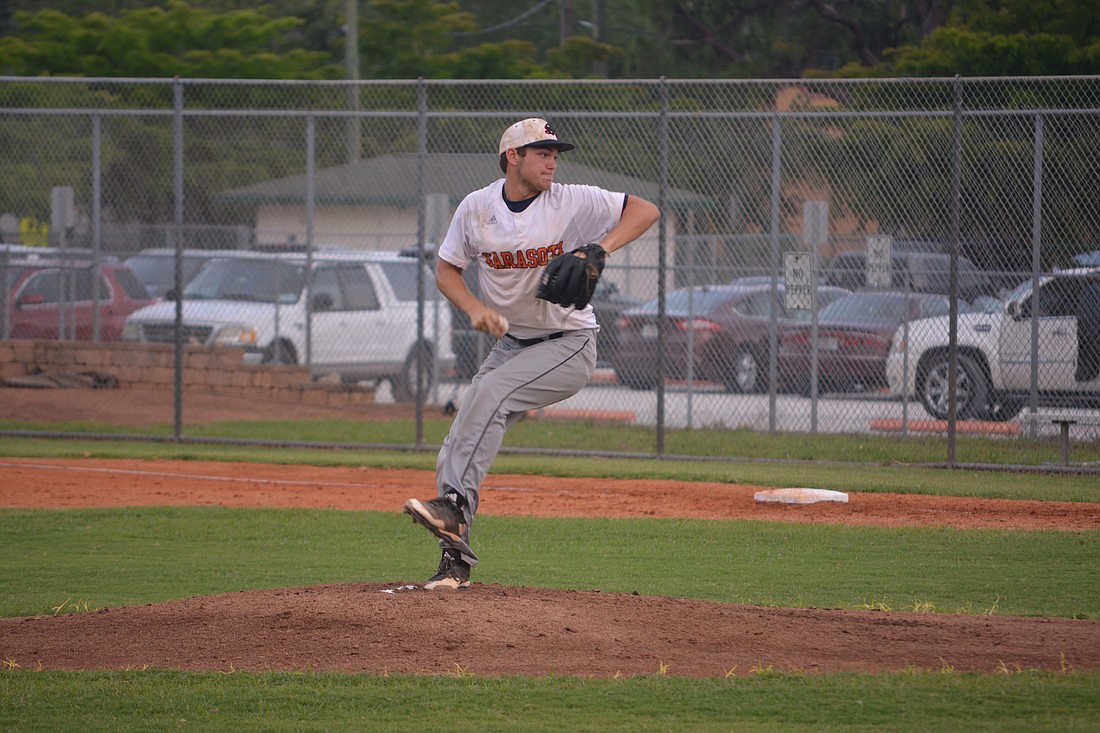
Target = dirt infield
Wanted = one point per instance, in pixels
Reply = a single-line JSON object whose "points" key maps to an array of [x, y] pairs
{"points": [[492, 629]]}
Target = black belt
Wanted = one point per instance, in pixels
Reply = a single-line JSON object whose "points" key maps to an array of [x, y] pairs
{"points": [[535, 340]]}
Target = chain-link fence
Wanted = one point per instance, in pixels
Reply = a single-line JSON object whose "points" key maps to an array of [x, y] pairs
{"points": [[834, 256]]}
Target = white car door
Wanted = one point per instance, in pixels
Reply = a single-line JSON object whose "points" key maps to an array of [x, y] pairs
{"points": [[342, 298], [1057, 342]]}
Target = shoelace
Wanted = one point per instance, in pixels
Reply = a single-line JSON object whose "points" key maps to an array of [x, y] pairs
{"points": [[446, 567]]}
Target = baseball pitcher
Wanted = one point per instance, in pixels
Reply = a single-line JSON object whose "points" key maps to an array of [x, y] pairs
{"points": [[542, 247]]}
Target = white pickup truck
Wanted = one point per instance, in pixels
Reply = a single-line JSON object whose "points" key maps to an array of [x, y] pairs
{"points": [[359, 308], [995, 358]]}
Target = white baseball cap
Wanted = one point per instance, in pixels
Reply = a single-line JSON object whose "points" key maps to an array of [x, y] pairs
{"points": [[533, 132]]}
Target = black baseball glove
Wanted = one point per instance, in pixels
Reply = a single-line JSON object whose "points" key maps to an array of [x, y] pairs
{"points": [[570, 280]]}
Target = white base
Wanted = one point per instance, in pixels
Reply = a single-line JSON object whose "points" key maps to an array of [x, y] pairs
{"points": [[800, 496]]}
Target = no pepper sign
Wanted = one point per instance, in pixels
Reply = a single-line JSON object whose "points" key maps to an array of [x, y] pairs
{"points": [[798, 281]]}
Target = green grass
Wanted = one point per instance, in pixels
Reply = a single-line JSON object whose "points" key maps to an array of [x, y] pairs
{"points": [[86, 559], [766, 702], [63, 561], [588, 436]]}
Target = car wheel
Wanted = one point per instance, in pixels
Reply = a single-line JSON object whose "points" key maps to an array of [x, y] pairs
{"points": [[404, 384], [280, 352], [744, 375], [970, 391]]}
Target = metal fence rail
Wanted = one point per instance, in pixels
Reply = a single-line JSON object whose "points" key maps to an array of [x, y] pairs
{"points": [[952, 209]]}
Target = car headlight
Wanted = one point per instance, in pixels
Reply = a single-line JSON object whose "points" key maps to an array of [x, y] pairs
{"points": [[240, 336], [131, 331]]}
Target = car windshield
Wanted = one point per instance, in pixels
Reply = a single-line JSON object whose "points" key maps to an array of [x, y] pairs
{"points": [[402, 278], [134, 287], [152, 268], [15, 274], [260, 281], [161, 269], [1023, 290], [988, 304], [689, 300]]}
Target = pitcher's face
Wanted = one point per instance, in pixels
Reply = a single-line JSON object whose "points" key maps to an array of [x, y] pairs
{"points": [[536, 168]]}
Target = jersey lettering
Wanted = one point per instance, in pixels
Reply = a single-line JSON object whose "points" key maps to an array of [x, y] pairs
{"points": [[523, 259]]}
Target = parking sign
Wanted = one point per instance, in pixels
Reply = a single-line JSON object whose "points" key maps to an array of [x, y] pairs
{"points": [[798, 281], [879, 260]]}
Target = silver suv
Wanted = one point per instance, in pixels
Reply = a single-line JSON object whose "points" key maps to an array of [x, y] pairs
{"points": [[995, 352], [359, 308]]}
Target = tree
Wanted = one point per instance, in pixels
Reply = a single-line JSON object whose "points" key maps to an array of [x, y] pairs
{"points": [[178, 40], [673, 38], [954, 50], [1007, 38]]}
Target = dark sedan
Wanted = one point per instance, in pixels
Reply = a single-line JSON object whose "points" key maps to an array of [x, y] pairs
{"points": [[853, 339], [716, 333]]}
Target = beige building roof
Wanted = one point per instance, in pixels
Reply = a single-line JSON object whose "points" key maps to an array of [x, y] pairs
{"points": [[391, 180]]}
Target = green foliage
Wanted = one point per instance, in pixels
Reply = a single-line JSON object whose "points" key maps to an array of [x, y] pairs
{"points": [[950, 51], [177, 40], [403, 39], [1073, 18], [504, 60], [897, 172], [1007, 38], [575, 57], [495, 39]]}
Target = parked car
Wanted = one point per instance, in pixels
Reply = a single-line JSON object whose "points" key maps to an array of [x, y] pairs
{"points": [[717, 333], [57, 254], [156, 267], [69, 300], [471, 346], [853, 339], [1086, 259], [995, 363], [361, 309], [919, 272]]}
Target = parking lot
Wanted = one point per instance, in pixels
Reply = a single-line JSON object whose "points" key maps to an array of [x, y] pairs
{"points": [[707, 405]]}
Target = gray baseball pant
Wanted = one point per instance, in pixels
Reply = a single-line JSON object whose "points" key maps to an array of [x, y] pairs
{"points": [[513, 380]]}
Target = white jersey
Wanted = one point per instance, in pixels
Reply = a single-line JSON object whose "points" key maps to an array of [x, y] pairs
{"points": [[512, 248]]}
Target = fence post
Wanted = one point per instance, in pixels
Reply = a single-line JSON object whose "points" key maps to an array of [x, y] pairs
{"points": [[953, 275], [177, 231], [773, 238], [1036, 265], [421, 227], [311, 204], [97, 173], [662, 260]]}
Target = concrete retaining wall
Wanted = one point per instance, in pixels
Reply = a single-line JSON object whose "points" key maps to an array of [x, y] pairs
{"points": [[152, 366]]}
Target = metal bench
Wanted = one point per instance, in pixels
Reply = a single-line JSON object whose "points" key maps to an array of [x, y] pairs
{"points": [[1063, 422]]}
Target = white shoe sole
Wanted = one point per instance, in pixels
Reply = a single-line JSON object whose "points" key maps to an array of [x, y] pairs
{"points": [[447, 584], [420, 514]]}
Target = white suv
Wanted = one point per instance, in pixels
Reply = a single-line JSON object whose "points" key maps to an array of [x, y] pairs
{"points": [[360, 309], [995, 353]]}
